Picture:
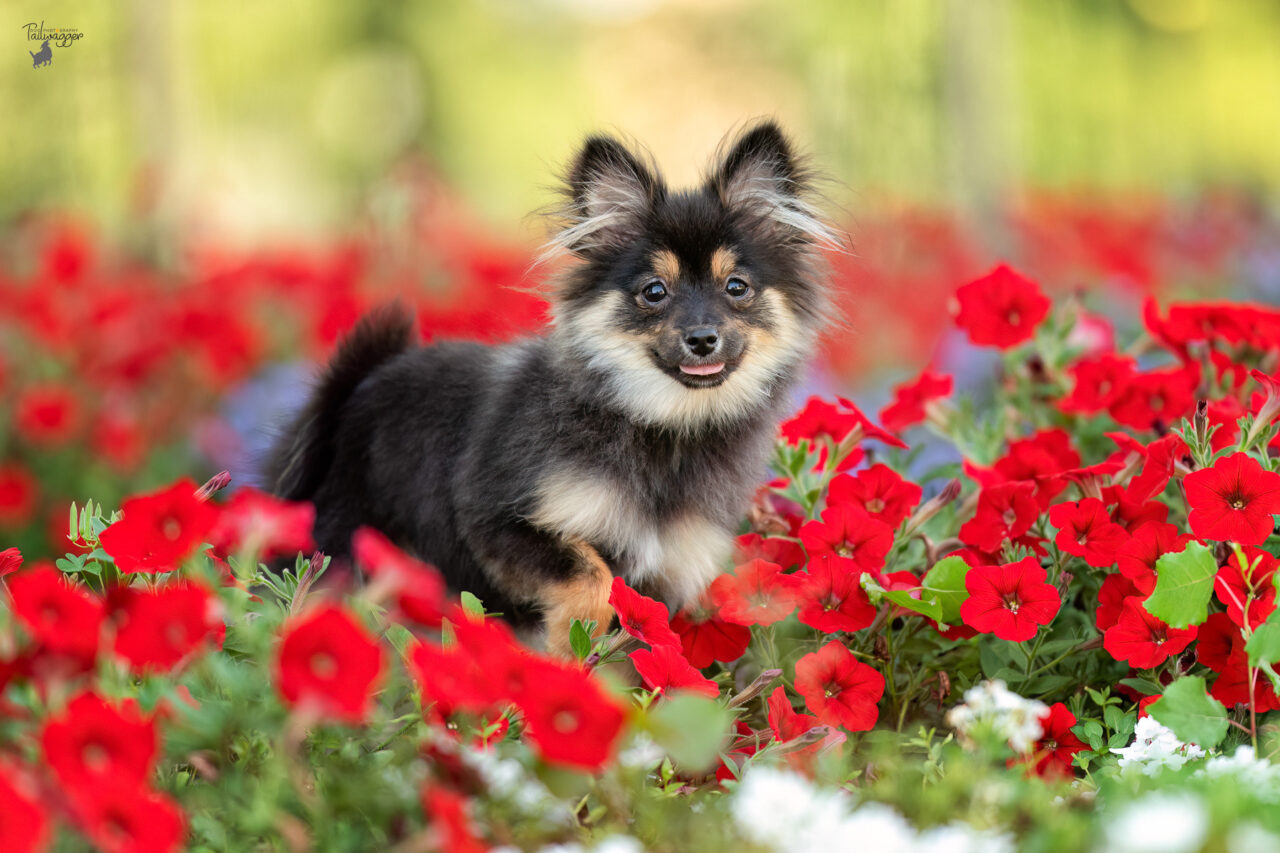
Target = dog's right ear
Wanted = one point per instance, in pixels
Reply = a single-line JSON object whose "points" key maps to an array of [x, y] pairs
{"points": [[610, 193]]}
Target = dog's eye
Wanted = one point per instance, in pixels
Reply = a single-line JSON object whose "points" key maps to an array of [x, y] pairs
{"points": [[737, 288], [654, 292]]}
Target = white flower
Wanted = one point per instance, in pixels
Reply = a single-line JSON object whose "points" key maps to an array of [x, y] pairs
{"points": [[1158, 823], [643, 753], [962, 838], [991, 704], [1154, 748], [774, 807], [1251, 838], [1259, 775], [618, 844]]}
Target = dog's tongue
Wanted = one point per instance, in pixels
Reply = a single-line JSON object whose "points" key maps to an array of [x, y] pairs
{"points": [[702, 369]]}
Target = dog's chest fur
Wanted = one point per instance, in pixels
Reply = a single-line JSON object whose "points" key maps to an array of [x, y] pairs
{"points": [[673, 553]]}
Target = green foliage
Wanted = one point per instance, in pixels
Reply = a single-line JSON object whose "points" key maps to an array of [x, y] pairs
{"points": [[690, 728], [1184, 585], [1191, 713]]}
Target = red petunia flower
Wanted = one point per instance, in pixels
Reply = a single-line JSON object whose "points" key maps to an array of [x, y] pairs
{"points": [[18, 492], [451, 679], [1232, 687], [160, 530], [1160, 460], [879, 491], [570, 720], [62, 618], [93, 745], [787, 553], [664, 668], [450, 819], [1130, 513], [1010, 601], [1000, 309], [10, 561], [831, 597], [1114, 592], [1233, 501], [1053, 753], [1137, 558], [1157, 397], [1005, 511], [24, 822], [1216, 640], [1144, 640], [1043, 458], [132, 820], [706, 638], [419, 589], [47, 416], [785, 722], [911, 400], [847, 531], [1098, 381], [1086, 530], [1238, 580], [156, 630], [1220, 647], [757, 593], [328, 663], [818, 418], [838, 688], [1224, 414], [869, 427], [643, 618], [263, 524]]}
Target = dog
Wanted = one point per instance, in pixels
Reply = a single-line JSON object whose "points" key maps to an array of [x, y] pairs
{"points": [[628, 439], [44, 57]]}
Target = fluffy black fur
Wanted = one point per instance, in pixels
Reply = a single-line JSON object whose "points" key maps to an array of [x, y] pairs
{"points": [[496, 463]]}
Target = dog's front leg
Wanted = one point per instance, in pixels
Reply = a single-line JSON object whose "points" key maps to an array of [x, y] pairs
{"points": [[584, 596], [566, 579]]}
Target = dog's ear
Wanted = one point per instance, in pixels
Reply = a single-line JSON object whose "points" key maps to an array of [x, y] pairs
{"points": [[610, 193], [759, 175]]}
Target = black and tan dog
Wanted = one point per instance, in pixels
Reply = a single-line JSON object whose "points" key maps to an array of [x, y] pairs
{"points": [[628, 439]]}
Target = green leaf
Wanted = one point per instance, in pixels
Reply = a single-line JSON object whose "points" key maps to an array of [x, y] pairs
{"points": [[1184, 584], [1264, 645], [579, 639], [691, 729], [400, 637], [1192, 714], [945, 584], [902, 598], [1145, 686], [471, 604], [1091, 731]]}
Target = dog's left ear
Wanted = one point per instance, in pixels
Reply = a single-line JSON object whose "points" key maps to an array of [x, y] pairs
{"points": [[761, 176]]}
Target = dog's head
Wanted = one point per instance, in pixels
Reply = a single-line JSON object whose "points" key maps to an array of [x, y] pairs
{"points": [[697, 306]]}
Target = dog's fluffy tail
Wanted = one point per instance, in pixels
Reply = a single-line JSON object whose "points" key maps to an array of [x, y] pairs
{"points": [[301, 458]]}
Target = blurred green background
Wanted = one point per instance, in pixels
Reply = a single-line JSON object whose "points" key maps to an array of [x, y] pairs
{"points": [[248, 119]]}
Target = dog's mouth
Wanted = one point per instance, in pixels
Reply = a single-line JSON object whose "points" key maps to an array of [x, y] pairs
{"points": [[698, 374]]}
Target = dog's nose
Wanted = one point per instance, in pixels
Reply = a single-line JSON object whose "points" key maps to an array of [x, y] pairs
{"points": [[702, 340]]}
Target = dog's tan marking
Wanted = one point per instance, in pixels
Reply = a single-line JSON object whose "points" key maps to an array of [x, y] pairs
{"points": [[666, 265], [723, 263], [585, 597]]}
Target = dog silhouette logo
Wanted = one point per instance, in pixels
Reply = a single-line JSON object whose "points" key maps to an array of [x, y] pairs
{"points": [[44, 57]]}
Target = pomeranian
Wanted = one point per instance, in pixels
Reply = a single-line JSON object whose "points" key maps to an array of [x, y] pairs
{"points": [[628, 440]]}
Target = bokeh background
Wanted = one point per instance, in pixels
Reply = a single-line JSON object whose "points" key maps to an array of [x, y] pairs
{"points": [[197, 198]]}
